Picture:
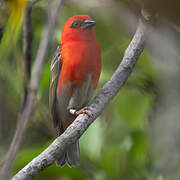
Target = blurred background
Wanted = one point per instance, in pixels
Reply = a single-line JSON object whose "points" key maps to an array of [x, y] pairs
{"points": [[137, 137]]}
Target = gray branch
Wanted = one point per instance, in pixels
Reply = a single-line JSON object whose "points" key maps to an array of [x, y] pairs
{"points": [[27, 110], [82, 122]]}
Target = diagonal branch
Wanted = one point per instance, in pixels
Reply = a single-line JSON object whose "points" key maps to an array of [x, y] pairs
{"points": [[27, 110], [82, 122]]}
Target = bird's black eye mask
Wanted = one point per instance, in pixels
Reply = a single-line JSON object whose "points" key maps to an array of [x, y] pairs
{"points": [[76, 24], [87, 24]]}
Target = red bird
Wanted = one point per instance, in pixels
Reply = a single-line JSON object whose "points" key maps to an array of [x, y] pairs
{"points": [[75, 72]]}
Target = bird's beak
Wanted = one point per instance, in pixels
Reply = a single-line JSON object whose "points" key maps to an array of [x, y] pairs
{"points": [[88, 23]]}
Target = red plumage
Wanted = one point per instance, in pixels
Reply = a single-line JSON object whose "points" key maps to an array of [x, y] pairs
{"points": [[74, 76]]}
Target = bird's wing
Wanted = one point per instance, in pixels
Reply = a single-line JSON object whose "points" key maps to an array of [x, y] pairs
{"points": [[56, 65]]}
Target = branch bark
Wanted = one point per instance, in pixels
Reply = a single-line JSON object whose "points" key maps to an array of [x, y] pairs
{"points": [[82, 122], [27, 110]]}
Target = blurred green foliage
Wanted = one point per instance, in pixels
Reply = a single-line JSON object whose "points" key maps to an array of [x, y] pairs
{"points": [[116, 145]]}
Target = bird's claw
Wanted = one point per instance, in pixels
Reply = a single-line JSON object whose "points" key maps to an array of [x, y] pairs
{"points": [[84, 110]]}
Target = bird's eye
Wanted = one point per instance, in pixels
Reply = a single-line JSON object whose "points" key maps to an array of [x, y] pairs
{"points": [[76, 24]]}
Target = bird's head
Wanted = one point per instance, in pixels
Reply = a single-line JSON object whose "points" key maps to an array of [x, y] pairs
{"points": [[78, 28]]}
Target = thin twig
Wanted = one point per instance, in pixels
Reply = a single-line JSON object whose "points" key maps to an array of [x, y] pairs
{"points": [[82, 122], [27, 32], [26, 113]]}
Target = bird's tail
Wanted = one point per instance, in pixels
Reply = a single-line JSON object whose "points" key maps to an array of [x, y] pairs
{"points": [[71, 156]]}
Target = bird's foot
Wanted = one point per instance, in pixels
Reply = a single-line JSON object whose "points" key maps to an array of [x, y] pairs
{"points": [[84, 110]]}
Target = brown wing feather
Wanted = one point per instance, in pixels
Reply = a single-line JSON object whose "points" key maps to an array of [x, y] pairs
{"points": [[54, 75]]}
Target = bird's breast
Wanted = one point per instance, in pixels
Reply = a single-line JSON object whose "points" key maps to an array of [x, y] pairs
{"points": [[79, 59]]}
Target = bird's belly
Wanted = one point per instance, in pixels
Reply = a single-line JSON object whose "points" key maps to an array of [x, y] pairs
{"points": [[81, 96]]}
